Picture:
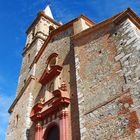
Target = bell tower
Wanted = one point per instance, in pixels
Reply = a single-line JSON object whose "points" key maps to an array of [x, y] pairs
{"points": [[42, 26], [19, 119], [37, 33]]}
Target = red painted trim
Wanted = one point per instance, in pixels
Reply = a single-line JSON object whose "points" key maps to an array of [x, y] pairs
{"points": [[57, 93], [56, 105], [50, 75], [64, 125], [36, 109], [53, 55], [53, 107], [38, 132]]}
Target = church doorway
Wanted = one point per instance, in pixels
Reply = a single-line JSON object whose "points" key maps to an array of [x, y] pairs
{"points": [[53, 133]]}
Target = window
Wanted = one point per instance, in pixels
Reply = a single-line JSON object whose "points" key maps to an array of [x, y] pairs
{"points": [[51, 28], [28, 59], [16, 120], [52, 63], [33, 33]]}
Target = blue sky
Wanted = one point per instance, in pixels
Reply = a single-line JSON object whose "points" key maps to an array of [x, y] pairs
{"points": [[17, 15]]}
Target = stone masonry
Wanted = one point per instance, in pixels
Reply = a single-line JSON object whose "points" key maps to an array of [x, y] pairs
{"points": [[100, 73], [108, 82]]}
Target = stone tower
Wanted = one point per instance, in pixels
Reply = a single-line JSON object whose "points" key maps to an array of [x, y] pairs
{"points": [[79, 81], [37, 33]]}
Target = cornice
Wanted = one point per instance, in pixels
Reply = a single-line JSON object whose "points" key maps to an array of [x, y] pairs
{"points": [[128, 13], [41, 14], [30, 46], [55, 106]]}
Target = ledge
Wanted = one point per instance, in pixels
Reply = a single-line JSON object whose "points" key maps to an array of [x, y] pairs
{"points": [[128, 13], [56, 105], [30, 45], [49, 75], [40, 14]]}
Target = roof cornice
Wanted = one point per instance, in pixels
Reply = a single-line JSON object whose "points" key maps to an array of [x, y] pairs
{"points": [[41, 14], [128, 13]]}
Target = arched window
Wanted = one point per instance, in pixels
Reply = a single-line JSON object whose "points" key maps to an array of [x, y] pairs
{"points": [[52, 61], [52, 70], [16, 120], [52, 133], [51, 28]]}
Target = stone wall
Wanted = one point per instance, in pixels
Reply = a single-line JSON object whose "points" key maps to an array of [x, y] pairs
{"points": [[105, 97], [101, 71], [25, 71], [61, 44], [35, 40], [19, 119], [127, 40], [40, 29]]}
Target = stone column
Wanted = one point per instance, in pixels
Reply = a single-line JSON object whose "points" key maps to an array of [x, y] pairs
{"points": [[38, 132], [63, 125]]}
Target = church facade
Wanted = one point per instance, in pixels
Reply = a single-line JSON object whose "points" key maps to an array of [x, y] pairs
{"points": [[79, 81]]}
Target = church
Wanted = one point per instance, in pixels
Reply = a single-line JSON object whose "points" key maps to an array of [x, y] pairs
{"points": [[79, 80]]}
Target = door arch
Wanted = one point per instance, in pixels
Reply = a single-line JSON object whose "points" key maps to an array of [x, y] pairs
{"points": [[52, 133]]}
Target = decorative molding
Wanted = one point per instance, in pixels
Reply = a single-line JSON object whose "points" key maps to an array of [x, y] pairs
{"points": [[50, 75], [55, 106], [53, 55], [128, 13], [38, 131], [41, 14], [44, 110], [63, 115]]}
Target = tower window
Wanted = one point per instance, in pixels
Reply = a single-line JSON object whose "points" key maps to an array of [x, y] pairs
{"points": [[16, 120], [33, 32], [28, 59], [52, 63], [51, 28]]}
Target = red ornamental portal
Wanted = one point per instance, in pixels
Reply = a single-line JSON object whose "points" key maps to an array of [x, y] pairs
{"points": [[51, 117]]}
